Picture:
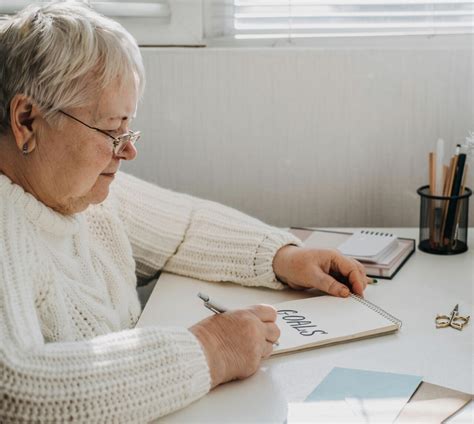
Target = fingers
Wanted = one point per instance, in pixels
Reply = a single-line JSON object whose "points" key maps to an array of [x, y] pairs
{"points": [[331, 285], [266, 313], [350, 269], [272, 332], [361, 267], [267, 351], [268, 329]]}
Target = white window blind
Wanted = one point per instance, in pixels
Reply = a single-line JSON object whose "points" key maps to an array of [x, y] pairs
{"points": [[142, 9], [292, 19], [151, 22]]}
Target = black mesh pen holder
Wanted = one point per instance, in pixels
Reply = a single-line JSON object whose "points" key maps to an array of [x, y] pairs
{"points": [[443, 222]]}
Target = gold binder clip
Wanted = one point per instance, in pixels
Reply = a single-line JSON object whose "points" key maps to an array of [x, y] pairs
{"points": [[454, 320]]}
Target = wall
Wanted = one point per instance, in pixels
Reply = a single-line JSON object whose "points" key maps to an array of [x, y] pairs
{"points": [[312, 136]]}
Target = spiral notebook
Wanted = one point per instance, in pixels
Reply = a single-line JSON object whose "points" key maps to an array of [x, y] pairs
{"points": [[320, 321], [370, 246], [305, 320]]}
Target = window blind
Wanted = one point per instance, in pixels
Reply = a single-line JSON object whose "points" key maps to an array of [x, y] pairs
{"points": [[143, 8], [133, 9], [151, 22], [273, 19]]}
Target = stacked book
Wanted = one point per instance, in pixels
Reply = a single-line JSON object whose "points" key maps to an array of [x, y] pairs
{"points": [[381, 253]]}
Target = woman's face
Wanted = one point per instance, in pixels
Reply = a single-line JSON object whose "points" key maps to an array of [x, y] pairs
{"points": [[74, 164]]}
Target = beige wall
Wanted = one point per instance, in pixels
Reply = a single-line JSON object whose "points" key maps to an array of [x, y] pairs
{"points": [[320, 137]]}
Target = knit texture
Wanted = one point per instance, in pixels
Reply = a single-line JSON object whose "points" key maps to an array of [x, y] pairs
{"points": [[68, 301]]}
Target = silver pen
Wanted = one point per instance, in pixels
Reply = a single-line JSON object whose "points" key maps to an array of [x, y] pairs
{"points": [[216, 308]]}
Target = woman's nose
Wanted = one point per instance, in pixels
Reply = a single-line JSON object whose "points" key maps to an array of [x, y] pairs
{"points": [[128, 153]]}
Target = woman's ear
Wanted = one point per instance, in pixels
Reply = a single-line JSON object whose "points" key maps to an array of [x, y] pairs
{"points": [[23, 113]]}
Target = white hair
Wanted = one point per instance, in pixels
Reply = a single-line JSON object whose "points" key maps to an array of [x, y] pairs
{"points": [[61, 54]]}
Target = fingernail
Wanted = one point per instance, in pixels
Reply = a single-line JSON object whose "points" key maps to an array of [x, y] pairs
{"points": [[344, 292]]}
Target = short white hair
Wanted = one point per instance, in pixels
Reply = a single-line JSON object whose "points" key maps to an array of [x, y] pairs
{"points": [[61, 54]]}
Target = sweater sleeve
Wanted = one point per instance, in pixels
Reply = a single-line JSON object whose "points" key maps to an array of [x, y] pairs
{"points": [[129, 376], [196, 238]]}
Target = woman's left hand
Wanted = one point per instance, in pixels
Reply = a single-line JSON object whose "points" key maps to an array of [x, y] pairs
{"points": [[304, 268]]}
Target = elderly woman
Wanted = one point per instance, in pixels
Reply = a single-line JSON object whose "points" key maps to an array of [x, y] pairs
{"points": [[75, 233]]}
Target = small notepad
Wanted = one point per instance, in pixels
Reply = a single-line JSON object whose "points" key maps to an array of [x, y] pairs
{"points": [[369, 246]]}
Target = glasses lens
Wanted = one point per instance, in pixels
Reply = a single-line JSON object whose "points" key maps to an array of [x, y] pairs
{"points": [[123, 141]]}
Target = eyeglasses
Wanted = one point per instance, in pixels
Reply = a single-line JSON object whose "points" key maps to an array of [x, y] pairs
{"points": [[119, 142]]}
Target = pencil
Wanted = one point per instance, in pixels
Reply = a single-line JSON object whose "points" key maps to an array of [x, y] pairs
{"points": [[431, 209]]}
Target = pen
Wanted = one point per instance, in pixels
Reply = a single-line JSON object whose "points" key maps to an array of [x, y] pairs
{"points": [[216, 308], [439, 167]]}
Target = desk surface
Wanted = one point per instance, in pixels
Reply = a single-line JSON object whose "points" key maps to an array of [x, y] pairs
{"points": [[426, 285]]}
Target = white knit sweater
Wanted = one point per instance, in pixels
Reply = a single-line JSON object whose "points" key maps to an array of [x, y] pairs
{"points": [[68, 301]]}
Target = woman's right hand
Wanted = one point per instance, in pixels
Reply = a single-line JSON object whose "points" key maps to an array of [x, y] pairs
{"points": [[236, 341]]}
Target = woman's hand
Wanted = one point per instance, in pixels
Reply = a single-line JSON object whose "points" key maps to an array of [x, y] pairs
{"points": [[236, 341], [304, 268]]}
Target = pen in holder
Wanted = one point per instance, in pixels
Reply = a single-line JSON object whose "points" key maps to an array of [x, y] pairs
{"points": [[443, 222]]}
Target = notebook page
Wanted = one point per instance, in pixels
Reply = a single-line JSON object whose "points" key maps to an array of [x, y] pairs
{"points": [[326, 319], [391, 256]]}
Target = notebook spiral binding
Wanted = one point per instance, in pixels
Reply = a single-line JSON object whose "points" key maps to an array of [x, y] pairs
{"points": [[376, 233], [378, 309]]}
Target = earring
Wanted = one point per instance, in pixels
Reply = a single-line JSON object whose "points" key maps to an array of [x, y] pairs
{"points": [[25, 149]]}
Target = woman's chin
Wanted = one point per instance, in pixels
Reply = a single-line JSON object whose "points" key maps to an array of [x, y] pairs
{"points": [[96, 195], [100, 191]]}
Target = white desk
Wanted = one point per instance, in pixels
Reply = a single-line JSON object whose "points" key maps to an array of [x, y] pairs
{"points": [[426, 285]]}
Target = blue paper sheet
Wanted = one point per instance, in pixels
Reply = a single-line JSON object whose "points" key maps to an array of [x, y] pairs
{"points": [[356, 396]]}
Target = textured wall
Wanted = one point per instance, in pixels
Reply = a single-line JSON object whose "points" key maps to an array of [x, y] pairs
{"points": [[314, 137]]}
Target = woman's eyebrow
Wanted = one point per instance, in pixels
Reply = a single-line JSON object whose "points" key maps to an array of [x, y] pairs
{"points": [[104, 119]]}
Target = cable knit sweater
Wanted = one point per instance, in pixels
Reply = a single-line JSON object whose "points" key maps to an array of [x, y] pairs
{"points": [[68, 301]]}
